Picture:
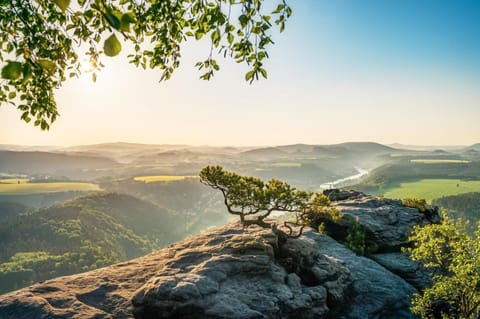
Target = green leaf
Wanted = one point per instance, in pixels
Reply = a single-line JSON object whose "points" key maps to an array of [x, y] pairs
{"points": [[12, 71], [62, 4], [88, 14], [243, 20], [230, 38], [289, 11], [249, 75], [279, 8], [264, 73], [27, 72], [47, 65], [125, 21], [129, 17], [112, 46], [112, 19], [25, 116], [44, 125], [124, 26], [199, 34]]}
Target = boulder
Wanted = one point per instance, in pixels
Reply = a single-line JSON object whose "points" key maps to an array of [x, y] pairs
{"points": [[401, 265], [387, 221], [243, 275], [335, 194], [376, 293]]}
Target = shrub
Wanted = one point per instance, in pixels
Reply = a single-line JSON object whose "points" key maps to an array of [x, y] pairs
{"points": [[418, 203]]}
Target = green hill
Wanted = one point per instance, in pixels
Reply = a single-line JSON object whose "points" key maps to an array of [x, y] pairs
{"points": [[74, 166], [411, 169], [80, 235], [465, 206]]}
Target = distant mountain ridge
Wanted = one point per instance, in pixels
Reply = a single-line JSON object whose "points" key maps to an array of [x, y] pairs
{"points": [[48, 162], [116, 147]]}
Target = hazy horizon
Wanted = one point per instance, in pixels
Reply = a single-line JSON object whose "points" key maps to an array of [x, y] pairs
{"points": [[392, 72], [240, 145]]}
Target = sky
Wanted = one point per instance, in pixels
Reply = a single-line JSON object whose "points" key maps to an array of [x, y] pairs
{"points": [[390, 71]]}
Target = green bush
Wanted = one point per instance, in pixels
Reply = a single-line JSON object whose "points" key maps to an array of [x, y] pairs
{"points": [[418, 203], [358, 240]]}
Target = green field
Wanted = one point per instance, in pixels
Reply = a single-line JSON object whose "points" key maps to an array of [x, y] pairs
{"points": [[39, 188], [431, 188], [439, 161], [162, 178]]}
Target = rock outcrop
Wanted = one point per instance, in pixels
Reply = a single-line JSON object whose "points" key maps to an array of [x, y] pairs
{"points": [[376, 292], [387, 221], [399, 264], [235, 273], [231, 272]]}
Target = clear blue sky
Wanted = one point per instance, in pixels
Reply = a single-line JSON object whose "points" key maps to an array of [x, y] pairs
{"points": [[404, 71]]}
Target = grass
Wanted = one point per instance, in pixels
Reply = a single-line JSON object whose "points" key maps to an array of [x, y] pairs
{"points": [[439, 161], [39, 188], [431, 188], [14, 181], [162, 178]]}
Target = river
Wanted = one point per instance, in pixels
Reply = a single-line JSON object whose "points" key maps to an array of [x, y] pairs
{"points": [[342, 182]]}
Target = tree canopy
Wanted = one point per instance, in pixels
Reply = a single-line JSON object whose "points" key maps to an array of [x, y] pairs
{"points": [[250, 196], [453, 257], [253, 200], [41, 41]]}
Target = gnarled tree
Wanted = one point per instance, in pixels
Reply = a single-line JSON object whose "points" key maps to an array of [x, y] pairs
{"points": [[254, 200]]}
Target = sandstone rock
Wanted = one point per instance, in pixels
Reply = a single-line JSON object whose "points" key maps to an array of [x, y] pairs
{"points": [[388, 222], [335, 194], [245, 278], [401, 265], [375, 293]]}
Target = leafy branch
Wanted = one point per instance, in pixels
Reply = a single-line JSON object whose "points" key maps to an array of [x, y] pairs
{"points": [[40, 41]]}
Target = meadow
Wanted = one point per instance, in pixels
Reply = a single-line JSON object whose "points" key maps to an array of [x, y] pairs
{"points": [[162, 178], [439, 161], [24, 188], [430, 189]]}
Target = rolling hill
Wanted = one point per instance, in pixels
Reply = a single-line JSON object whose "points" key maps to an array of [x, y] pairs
{"points": [[27, 162], [81, 234]]}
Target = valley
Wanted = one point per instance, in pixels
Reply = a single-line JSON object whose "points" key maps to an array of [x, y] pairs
{"points": [[80, 208]]}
